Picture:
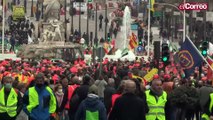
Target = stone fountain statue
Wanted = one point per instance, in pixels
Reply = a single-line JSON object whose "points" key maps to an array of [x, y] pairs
{"points": [[53, 32], [52, 10]]}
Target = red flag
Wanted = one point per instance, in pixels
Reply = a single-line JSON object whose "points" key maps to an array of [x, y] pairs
{"points": [[209, 71]]}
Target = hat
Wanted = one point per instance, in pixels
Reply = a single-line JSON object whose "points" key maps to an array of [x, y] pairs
{"points": [[93, 89], [39, 75], [156, 76]]}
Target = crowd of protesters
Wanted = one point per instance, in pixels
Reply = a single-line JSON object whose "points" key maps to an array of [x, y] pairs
{"points": [[43, 90], [20, 30]]}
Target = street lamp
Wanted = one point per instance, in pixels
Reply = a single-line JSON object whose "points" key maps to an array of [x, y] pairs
{"points": [[95, 44], [25, 6], [65, 19], [96, 25], [79, 18], [71, 14], [87, 38], [182, 12], [42, 9], [37, 13], [32, 9], [106, 20]]}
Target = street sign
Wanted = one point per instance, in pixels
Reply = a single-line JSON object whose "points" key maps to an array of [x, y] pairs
{"points": [[157, 14], [209, 16], [134, 26], [199, 18], [89, 1], [176, 13], [100, 52], [194, 14]]}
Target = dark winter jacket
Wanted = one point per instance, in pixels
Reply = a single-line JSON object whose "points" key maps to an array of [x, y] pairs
{"points": [[128, 107], [91, 109]]}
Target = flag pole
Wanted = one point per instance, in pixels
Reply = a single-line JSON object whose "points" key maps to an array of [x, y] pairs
{"points": [[199, 53], [3, 25], [149, 15], [184, 23]]}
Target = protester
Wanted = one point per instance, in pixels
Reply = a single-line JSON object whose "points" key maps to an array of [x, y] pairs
{"points": [[101, 83], [114, 75], [108, 92], [78, 96], [128, 106], [22, 88], [92, 107], [68, 96], [156, 99], [39, 101], [10, 100], [59, 97]]}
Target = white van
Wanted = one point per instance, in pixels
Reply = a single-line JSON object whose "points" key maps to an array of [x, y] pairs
{"points": [[83, 6]]}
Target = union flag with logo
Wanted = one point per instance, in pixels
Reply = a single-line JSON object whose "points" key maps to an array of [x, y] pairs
{"points": [[189, 57]]}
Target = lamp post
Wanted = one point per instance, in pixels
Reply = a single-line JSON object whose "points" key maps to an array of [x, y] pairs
{"points": [[106, 20], [42, 9], [87, 39], [96, 25], [32, 15], [65, 19], [182, 12], [79, 19], [204, 20], [25, 6], [37, 14], [71, 5], [95, 43]]}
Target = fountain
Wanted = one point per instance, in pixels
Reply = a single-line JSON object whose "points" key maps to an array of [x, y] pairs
{"points": [[122, 41]]}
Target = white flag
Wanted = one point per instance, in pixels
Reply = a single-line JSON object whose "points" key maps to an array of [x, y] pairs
{"points": [[210, 50], [29, 39]]}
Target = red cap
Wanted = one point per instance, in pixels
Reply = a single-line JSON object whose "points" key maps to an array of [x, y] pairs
{"points": [[167, 76], [156, 76]]}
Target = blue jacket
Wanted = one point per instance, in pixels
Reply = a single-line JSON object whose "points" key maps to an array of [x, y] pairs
{"points": [[41, 112], [92, 104]]}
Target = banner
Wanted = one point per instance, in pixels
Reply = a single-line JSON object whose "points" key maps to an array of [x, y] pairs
{"points": [[149, 76]]}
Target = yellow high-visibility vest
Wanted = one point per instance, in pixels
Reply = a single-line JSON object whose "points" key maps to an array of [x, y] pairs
{"points": [[34, 100], [205, 116], [156, 108], [11, 105]]}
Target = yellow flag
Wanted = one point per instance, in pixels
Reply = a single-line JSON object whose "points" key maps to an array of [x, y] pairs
{"points": [[152, 2]]}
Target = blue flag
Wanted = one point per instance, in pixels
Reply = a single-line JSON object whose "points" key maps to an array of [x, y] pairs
{"points": [[189, 57]]}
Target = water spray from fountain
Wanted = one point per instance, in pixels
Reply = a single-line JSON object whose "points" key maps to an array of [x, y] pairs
{"points": [[126, 28]]}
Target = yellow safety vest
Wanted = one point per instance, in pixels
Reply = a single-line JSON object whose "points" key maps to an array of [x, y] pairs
{"points": [[11, 105], [34, 99], [205, 116], [156, 108]]}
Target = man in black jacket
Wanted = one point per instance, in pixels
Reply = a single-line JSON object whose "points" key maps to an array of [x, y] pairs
{"points": [[128, 106]]}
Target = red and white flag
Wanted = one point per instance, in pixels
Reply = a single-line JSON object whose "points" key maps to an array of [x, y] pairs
{"points": [[210, 72]]}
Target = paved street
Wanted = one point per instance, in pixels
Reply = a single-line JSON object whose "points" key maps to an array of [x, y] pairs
{"points": [[75, 20]]}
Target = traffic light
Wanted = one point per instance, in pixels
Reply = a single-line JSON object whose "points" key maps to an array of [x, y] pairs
{"points": [[165, 53], [140, 43], [204, 48], [108, 37], [140, 33]]}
